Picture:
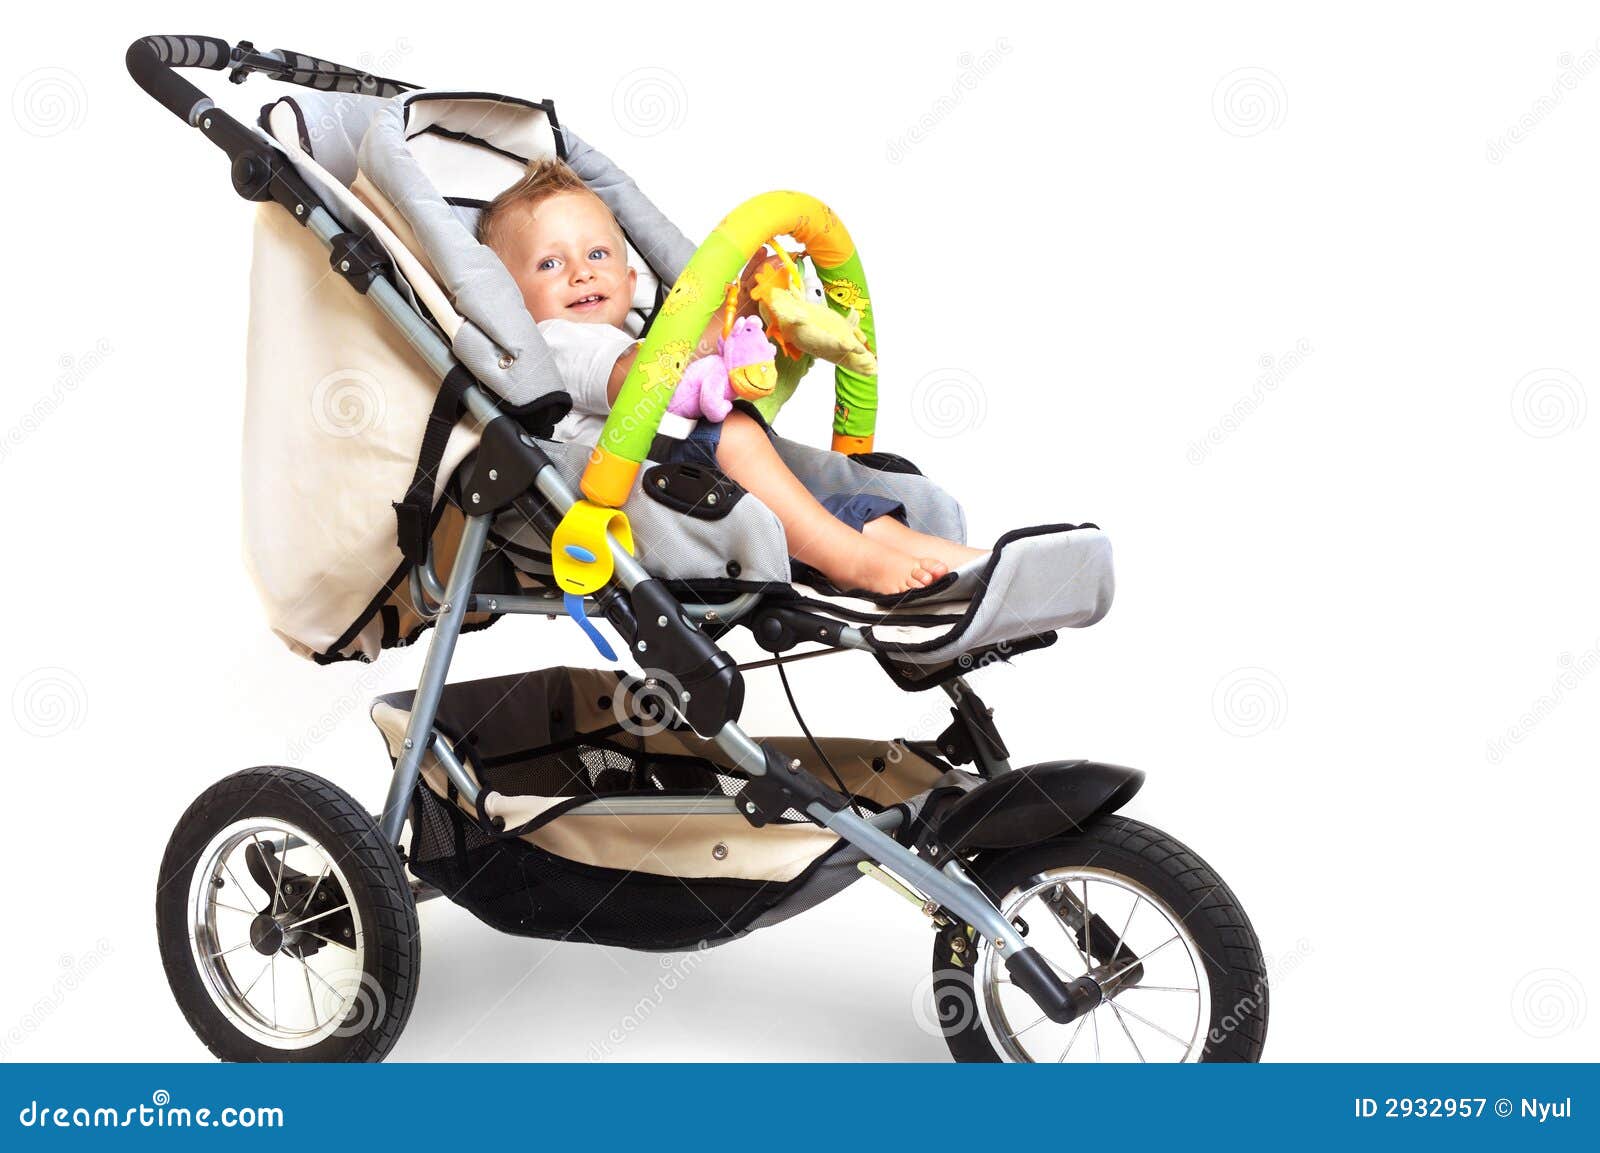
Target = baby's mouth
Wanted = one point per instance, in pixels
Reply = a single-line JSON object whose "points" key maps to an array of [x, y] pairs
{"points": [[585, 303]]}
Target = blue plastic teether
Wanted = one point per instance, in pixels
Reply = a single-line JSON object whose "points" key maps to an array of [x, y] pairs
{"points": [[573, 603]]}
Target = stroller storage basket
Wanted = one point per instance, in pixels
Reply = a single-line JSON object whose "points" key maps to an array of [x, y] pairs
{"points": [[533, 856]]}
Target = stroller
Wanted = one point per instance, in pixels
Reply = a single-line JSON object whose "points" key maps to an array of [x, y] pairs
{"points": [[402, 475]]}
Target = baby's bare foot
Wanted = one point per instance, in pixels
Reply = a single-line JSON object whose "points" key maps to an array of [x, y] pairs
{"points": [[888, 531], [886, 571]]}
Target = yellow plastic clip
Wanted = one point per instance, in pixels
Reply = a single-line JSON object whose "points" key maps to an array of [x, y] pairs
{"points": [[730, 308], [788, 262], [579, 553]]}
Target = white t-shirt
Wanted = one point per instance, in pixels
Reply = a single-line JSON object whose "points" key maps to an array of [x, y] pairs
{"points": [[585, 354]]}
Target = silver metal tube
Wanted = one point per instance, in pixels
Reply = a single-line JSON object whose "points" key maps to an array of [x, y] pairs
{"points": [[548, 605], [424, 706], [742, 747], [654, 806], [454, 769], [952, 888], [429, 576], [426, 608], [728, 613], [887, 819]]}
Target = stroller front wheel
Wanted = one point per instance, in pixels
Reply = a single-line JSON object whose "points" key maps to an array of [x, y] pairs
{"points": [[287, 927], [1179, 965]]}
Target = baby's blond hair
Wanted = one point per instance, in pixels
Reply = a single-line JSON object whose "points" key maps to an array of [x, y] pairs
{"points": [[545, 177]]}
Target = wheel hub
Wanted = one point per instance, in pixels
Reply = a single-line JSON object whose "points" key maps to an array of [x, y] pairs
{"points": [[266, 935]]}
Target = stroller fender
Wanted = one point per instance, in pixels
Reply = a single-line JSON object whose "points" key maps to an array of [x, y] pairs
{"points": [[1036, 803]]}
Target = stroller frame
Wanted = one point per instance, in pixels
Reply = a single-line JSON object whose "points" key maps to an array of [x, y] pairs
{"points": [[661, 632]]}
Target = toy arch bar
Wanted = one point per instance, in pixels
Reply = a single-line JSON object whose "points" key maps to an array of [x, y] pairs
{"points": [[694, 300]]}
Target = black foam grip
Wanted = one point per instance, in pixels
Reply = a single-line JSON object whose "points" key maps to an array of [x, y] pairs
{"points": [[151, 60], [326, 76]]}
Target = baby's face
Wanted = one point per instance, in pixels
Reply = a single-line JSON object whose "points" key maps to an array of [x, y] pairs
{"points": [[569, 259]]}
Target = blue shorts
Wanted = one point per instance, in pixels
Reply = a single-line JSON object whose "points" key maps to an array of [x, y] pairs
{"points": [[700, 447]]}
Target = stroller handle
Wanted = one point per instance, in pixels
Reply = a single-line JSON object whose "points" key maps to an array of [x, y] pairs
{"points": [[152, 61]]}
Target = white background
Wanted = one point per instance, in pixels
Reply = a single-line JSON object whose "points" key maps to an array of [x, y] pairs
{"points": [[1355, 634]]}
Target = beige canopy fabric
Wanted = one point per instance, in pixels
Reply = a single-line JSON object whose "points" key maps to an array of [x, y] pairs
{"points": [[335, 406], [336, 399]]}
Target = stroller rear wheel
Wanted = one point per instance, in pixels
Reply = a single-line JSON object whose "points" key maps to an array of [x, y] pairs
{"points": [[286, 923], [1178, 963]]}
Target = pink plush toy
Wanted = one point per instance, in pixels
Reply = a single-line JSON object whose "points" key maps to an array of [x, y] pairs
{"points": [[743, 366]]}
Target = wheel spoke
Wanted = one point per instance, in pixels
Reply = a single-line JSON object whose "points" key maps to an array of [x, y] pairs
{"points": [[1123, 936], [318, 916], [277, 882], [312, 892], [1157, 989], [1118, 1014], [1025, 1028], [234, 949], [1113, 976], [1082, 1021], [344, 998], [1095, 1014], [235, 908], [1085, 910], [272, 963], [1146, 1021], [253, 984], [305, 971], [240, 887]]}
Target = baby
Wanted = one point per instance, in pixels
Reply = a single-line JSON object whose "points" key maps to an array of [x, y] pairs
{"points": [[567, 254]]}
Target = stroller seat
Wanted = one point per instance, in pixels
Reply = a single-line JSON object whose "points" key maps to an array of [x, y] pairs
{"points": [[412, 174]]}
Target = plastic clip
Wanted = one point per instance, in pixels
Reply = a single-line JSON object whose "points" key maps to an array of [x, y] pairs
{"points": [[580, 557]]}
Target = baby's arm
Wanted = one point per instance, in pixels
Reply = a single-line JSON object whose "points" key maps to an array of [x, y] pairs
{"points": [[708, 339], [619, 373]]}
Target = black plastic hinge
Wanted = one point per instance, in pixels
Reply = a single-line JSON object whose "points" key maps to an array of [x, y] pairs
{"points": [[358, 260], [955, 743], [780, 629], [253, 172], [241, 69], [971, 722], [785, 785]]}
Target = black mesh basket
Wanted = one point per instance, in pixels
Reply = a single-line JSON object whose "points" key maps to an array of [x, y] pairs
{"points": [[561, 733]]}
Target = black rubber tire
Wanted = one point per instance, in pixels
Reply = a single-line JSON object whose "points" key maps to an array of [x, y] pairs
{"points": [[1237, 1030], [381, 898]]}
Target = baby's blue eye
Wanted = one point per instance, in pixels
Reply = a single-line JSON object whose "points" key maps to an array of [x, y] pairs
{"points": [[598, 254], [548, 263]]}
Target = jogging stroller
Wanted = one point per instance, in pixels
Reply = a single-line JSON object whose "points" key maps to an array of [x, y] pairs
{"points": [[401, 475]]}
